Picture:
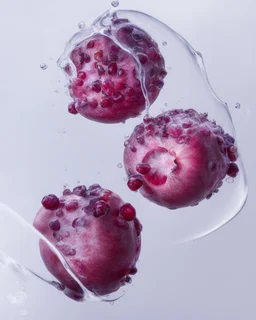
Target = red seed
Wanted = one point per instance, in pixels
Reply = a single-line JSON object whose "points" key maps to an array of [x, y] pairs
{"points": [[106, 103], [143, 58], [72, 205], [80, 191], [54, 225], [118, 97], [233, 170], [133, 271], [143, 168], [78, 82], [90, 44], [232, 153], [135, 182], [108, 88], [87, 58], [98, 55], [72, 108], [112, 68], [129, 91], [81, 75], [128, 212], [96, 86], [51, 202], [101, 208], [101, 70], [60, 213]]}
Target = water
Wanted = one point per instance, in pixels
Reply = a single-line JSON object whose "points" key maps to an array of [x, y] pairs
{"points": [[87, 147], [43, 66]]}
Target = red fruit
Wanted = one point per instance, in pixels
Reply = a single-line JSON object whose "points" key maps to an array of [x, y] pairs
{"points": [[107, 75], [98, 235], [179, 158]]}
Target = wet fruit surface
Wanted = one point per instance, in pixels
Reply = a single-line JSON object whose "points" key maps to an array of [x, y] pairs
{"points": [[181, 158], [107, 85], [96, 232]]}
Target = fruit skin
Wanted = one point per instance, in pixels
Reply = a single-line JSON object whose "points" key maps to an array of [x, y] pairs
{"points": [[183, 158], [101, 248], [105, 85]]}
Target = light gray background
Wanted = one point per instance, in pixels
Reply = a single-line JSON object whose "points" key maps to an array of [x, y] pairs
{"points": [[213, 278]]}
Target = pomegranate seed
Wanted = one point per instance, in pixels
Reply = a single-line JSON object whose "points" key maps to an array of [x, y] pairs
{"points": [[78, 82], [51, 202], [80, 191], [138, 226], [108, 88], [135, 182], [118, 97], [106, 103], [87, 58], [101, 70], [96, 86], [98, 55], [101, 208], [90, 44], [143, 58], [233, 170], [54, 225], [93, 103], [72, 108], [143, 168], [128, 212], [112, 68], [232, 153], [81, 75], [133, 271], [60, 213], [72, 205]]}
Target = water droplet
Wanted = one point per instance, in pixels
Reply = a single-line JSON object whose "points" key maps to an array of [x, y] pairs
{"points": [[78, 181], [125, 179], [237, 105], [119, 165], [43, 66], [164, 43], [127, 136], [115, 3], [81, 25], [230, 180], [166, 104]]}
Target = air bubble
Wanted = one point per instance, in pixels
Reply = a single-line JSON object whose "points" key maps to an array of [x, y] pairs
{"points": [[115, 4], [120, 165], [237, 105], [18, 298], [43, 66], [164, 43], [81, 25], [230, 180]]}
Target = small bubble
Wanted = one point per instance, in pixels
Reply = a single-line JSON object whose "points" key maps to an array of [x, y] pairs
{"points": [[43, 66], [164, 43], [115, 4], [238, 105], [78, 181], [127, 136], [119, 165], [125, 179], [18, 298], [56, 91], [230, 180], [81, 25], [166, 104], [169, 68], [23, 312]]}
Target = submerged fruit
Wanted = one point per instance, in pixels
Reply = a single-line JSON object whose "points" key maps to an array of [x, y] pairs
{"points": [[106, 86], [96, 232], [179, 158]]}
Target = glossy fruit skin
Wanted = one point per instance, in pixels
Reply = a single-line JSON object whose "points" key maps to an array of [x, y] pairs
{"points": [[99, 245], [179, 158], [106, 86]]}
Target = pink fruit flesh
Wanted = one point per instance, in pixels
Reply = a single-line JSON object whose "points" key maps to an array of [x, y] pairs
{"points": [[96, 232], [179, 158], [106, 87]]}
